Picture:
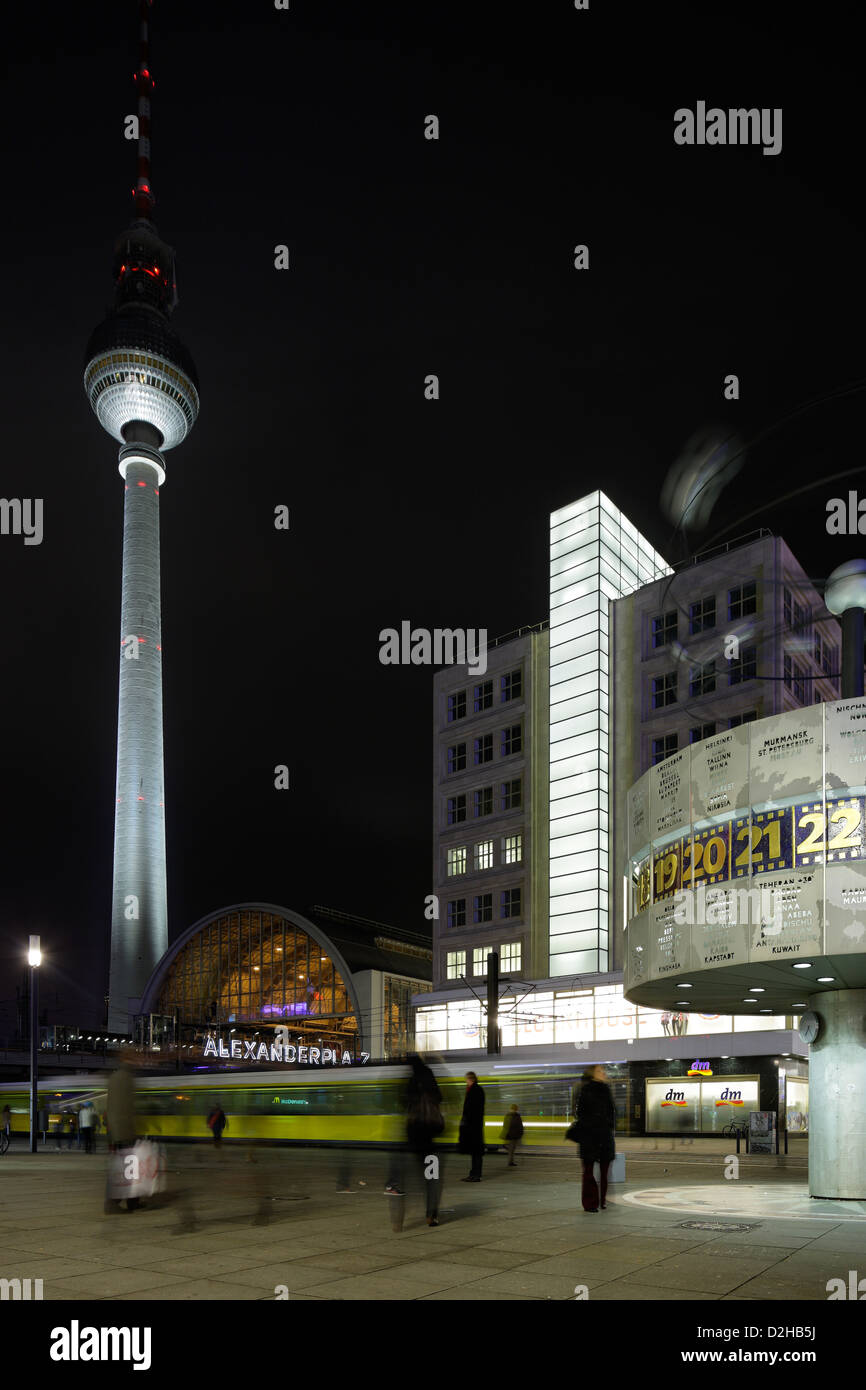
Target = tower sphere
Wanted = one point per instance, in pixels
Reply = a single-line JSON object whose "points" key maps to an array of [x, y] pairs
{"points": [[138, 369], [846, 587]]}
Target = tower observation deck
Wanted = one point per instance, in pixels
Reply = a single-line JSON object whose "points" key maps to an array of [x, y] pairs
{"points": [[142, 386]]}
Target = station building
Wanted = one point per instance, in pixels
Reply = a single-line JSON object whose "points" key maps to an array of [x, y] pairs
{"points": [[258, 972]]}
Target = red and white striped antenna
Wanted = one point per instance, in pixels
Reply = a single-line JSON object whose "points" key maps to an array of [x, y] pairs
{"points": [[143, 191]]}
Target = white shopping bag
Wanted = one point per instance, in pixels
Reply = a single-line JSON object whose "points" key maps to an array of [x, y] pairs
{"points": [[138, 1171], [616, 1171]]}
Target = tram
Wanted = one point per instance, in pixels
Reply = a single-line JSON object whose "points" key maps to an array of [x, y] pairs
{"points": [[361, 1106]]}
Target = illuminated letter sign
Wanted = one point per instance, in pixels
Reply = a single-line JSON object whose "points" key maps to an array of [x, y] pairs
{"points": [[301, 1053]]}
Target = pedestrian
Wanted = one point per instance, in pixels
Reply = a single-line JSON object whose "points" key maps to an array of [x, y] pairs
{"points": [[121, 1134], [512, 1133], [86, 1122], [58, 1133], [424, 1124], [6, 1121], [596, 1116], [666, 1023], [71, 1128], [217, 1122], [472, 1126]]}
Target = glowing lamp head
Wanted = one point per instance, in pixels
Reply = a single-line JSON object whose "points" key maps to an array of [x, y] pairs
{"points": [[34, 955]]}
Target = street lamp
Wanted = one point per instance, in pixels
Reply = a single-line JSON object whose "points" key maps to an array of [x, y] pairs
{"points": [[34, 956]]}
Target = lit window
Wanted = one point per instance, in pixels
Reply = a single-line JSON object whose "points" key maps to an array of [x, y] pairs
{"points": [[482, 802], [483, 696], [509, 902], [455, 964], [456, 809], [457, 758], [479, 960], [509, 957], [512, 741], [457, 861], [511, 686], [512, 849], [483, 855], [455, 912]]}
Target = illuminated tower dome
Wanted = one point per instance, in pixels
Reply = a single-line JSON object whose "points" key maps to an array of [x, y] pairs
{"points": [[142, 385]]}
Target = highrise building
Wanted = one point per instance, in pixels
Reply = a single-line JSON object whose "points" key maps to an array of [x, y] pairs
{"points": [[733, 634], [642, 658], [142, 385], [490, 837]]}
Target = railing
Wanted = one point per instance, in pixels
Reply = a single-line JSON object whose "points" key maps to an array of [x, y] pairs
{"points": [[722, 549]]}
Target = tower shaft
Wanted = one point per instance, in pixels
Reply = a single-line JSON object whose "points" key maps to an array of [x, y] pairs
{"points": [[139, 914]]}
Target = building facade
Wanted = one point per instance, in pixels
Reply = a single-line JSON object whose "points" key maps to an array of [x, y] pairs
{"points": [[490, 799], [324, 978], [728, 637], [644, 658]]}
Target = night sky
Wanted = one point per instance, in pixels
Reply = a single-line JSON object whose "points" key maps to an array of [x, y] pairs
{"points": [[408, 257]]}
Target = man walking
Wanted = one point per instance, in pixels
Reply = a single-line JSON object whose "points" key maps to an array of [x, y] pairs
{"points": [[472, 1126]]}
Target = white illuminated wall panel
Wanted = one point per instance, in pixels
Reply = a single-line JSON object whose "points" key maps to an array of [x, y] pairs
{"points": [[595, 555]]}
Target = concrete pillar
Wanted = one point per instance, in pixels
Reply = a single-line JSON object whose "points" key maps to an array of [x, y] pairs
{"points": [[837, 1096]]}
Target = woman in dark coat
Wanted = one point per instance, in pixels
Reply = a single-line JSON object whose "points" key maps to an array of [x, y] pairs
{"points": [[424, 1124], [596, 1115], [472, 1126]]}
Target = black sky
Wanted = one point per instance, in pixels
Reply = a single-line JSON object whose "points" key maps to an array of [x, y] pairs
{"points": [[408, 257]]}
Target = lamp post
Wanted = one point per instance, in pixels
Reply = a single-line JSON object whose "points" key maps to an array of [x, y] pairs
{"points": [[845, 596], [34, 956]]}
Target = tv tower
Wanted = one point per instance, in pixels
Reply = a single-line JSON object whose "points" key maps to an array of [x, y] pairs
{"points": [[142, 385]]}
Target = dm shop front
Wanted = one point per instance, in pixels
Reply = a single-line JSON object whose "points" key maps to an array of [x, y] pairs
{"points": [[691, 1074]]}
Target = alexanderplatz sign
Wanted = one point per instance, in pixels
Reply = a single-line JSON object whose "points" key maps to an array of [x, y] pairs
{"points": [[241, 1050]]}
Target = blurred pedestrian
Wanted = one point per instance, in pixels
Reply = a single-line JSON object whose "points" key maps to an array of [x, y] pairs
{"points": [[217, 1122], [6, 1121], [472, 1126], [512, 1133], [424, 1124], [596, 1116], [120, 1114], [71, 1128], [86, 1122]]}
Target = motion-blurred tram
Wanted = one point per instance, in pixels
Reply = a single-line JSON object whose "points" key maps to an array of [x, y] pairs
{"points": [[361, 1106]]}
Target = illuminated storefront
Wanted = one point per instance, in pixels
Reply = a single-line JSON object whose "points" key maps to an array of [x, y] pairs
{"points": [[596, 1015]]}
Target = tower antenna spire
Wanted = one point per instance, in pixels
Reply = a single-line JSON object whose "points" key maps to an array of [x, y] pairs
{"points": [[143, 191]]}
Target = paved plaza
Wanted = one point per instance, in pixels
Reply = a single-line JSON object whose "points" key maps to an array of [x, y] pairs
{"points": [[241, 1224]]}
